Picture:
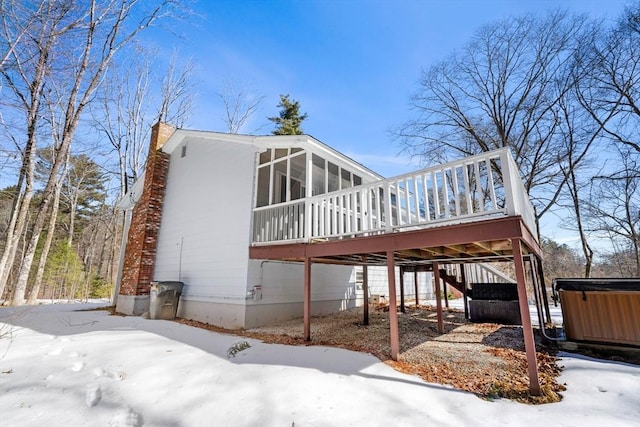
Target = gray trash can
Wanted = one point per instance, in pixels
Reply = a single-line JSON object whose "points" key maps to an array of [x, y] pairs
{"points": [[164, 299]]}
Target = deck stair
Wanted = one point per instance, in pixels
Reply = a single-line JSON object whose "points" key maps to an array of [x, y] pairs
{"points": [[478, 273]]}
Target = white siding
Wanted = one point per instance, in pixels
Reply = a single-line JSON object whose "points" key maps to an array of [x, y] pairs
{"points": [[333, 288], [205, 233], [378, 284]]}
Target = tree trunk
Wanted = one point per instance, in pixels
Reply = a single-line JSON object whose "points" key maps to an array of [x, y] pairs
{"points": [[18, 216], [35, 290]]}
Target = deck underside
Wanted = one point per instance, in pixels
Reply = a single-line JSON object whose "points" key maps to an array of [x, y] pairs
{"points": [[502, 239], [484, 240]]}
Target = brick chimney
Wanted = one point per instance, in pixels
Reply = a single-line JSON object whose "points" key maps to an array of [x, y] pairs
{"points": [[140, 254]]}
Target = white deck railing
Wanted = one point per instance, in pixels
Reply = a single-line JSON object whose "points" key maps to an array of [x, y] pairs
{"points": [[474, 188], [478, 273]]}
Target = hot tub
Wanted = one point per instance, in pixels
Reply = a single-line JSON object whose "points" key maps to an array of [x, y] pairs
{"points": [[601, 310]]}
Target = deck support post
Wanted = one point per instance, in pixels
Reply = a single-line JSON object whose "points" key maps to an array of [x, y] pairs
{"points": [[365, 293], [436, 278], [307, 299], [543, 287], [527, 329], [415, 283], [463, 278], [445, 293], [393, 308], [402, 309]]}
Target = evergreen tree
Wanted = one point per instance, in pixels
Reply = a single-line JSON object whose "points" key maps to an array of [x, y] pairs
{"points": [[290, 119]]}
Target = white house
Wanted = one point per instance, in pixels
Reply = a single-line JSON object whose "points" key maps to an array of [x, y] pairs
{"points": [[213, 184], [265, 228]]}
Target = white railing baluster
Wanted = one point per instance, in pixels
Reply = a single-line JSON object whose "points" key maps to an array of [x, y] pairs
{"points": [[456, 190], [436, 196], [467, 189], [492, 188], [416, 199], [355, 205], [425, 195], [348, 213], [388, 216], [479, 191], [445, 189]]}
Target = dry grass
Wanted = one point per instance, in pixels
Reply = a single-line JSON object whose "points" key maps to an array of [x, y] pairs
{"points": [[485, 359]]}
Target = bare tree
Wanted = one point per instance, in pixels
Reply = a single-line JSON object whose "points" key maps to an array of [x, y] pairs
{"points": [[100, 30], [610, 91], [579, 136], [177, 93], [122, 117], [239, 105], [502, 90], [25, 70], [128, 108], [614, 206]]}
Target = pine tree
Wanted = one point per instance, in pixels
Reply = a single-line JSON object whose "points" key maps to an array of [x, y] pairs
{"points": [[290, 119]]}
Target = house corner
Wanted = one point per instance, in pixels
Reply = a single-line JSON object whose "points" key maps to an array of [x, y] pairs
{"points": [[141, 242]]}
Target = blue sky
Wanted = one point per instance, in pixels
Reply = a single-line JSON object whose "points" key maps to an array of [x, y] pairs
{"points": [[352, 64]]}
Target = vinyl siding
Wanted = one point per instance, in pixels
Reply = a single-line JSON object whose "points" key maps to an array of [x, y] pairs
{"points": [[205, 232]]}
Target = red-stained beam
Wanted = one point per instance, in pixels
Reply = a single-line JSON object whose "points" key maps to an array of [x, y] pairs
{"points": [[529, 342], [436, 278], [307, 299], [393, 308]]}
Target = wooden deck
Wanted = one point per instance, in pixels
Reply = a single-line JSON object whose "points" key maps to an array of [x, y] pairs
{"points": [[473, 210]]}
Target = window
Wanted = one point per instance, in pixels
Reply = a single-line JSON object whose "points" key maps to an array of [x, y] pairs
{"points": [[262, 195], [318, 175], [265, 157], [333, 183], [346, 179]]}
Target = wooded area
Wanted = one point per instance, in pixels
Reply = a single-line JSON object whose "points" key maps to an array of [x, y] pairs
{"points": [[80, 93]]}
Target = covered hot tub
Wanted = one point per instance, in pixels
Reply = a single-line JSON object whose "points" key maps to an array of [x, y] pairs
{"points": [[601, 310]]}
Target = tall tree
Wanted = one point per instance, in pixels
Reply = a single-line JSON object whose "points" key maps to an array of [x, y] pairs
{"points": [[614, 207], [74, 66], [27, 66], [610, 91], [501, 90], [83, 192], [289, 120]]}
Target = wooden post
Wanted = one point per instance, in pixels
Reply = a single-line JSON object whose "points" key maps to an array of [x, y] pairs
{"points": [[402, 309], [436, 278], [393, 309], [415, 283], [365, 292], [307, 299], [527, 329], [543, 286], [446, 294], [463, 277]]}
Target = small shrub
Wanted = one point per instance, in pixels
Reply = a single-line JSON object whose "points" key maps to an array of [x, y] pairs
{"points": [[237, 348]]}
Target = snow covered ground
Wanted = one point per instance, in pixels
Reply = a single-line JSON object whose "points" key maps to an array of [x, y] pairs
{"points": [[63, 367]]}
